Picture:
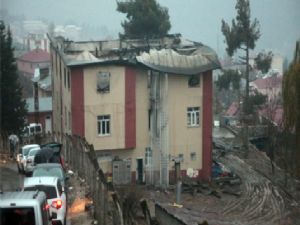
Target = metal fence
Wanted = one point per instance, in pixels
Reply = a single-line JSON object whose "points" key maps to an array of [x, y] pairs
{"points": [[80, 156], [4, 144]]}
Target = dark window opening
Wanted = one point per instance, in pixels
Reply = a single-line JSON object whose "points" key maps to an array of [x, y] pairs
{"points": [[20, 215], [194, 81]]}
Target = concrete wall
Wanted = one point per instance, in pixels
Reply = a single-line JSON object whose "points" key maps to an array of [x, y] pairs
{"points": [[182, 138], [111, 103]]}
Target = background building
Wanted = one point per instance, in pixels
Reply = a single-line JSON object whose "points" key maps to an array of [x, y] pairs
{"points": [[28, 62]]}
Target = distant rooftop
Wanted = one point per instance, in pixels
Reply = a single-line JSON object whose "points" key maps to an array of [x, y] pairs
{"points": [[36, 55], [269, 82], [172, 54]]}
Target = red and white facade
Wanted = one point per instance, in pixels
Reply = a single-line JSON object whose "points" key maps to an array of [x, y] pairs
{"points": [[126, 119]]}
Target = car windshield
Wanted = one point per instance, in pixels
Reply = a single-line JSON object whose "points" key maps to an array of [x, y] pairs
{"points": [[33, 152], [20, 215], [50, 191], [27, 149], [48, 172]]}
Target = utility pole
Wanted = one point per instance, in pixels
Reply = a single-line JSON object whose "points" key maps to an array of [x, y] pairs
{"points": [[36, 102]]}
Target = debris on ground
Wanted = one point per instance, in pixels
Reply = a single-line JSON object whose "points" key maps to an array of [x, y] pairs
{"points": [[79, 211]]}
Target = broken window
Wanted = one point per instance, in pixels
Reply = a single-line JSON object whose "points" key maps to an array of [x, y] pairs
{"points": [[194, 81], [103, 82]]}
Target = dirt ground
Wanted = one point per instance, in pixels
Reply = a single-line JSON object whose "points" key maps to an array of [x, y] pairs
{"points": [[77, 213], [264, 198]]}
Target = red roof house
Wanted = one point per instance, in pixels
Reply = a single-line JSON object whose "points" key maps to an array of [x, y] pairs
{"points": [[37, 58], [270, 86]]}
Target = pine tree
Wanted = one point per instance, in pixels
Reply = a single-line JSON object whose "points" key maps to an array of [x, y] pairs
{"points": [[145, 19], [263, 61], [242, 35], [12, 105]]}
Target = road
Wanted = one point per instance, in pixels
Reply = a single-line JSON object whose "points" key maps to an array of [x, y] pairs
{"points": [[11, 180]]}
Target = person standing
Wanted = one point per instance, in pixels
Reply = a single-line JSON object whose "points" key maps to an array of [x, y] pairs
{"points": [[13, 142]]}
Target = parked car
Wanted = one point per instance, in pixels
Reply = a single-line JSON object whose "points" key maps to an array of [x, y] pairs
{"points": [[28, 207], [30, 160], [55, 194], [51, 153], [22, 156], [50, 170], [32, 129]]}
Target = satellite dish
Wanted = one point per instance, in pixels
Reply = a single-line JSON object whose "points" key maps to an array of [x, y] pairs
{"points": [[190, 172]]}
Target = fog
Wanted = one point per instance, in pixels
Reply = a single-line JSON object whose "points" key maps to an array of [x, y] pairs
{"points": [[198, 20]]}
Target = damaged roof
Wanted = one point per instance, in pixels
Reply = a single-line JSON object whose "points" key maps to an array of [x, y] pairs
{"points": [[171, 54]]}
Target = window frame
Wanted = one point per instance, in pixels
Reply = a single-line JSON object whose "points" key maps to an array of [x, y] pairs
{"points": [[193, 116], [104, 125]]}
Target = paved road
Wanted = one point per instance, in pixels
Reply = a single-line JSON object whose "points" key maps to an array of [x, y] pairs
{"points": [[10, 179]]}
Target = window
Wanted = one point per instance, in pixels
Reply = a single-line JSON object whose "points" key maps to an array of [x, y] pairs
{"points": [[50, 191], [193, 156], [69, 80], [193, 116], [103, 125], [70, 121], [194, 81], [103, 82], [148, 156], [181, 157], [65, 77], [17, 215]]}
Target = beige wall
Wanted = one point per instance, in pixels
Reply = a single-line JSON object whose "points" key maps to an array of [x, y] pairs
{"points": [[111, 103], [60, 92], [55, 91], [114, 103], [67, 126], [184, 139], [142, 106]]}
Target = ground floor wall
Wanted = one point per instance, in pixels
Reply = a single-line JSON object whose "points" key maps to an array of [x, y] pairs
{"points": [[143, 172]]}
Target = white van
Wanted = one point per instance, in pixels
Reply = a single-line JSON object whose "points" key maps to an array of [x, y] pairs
{"points": [[32, 129], [26, 207]]}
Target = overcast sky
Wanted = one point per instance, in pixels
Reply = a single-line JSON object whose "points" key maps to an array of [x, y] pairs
{"points": [[197, 20]]}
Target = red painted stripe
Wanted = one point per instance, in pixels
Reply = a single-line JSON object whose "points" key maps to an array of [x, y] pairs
{"points": [[207, 126], [77, 102], [130, 108]]}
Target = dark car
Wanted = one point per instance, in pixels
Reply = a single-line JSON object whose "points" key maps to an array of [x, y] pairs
{"points": [[50, 153]]}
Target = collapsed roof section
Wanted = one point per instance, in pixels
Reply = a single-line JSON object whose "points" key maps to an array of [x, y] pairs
{"points": [[171, 54]]}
